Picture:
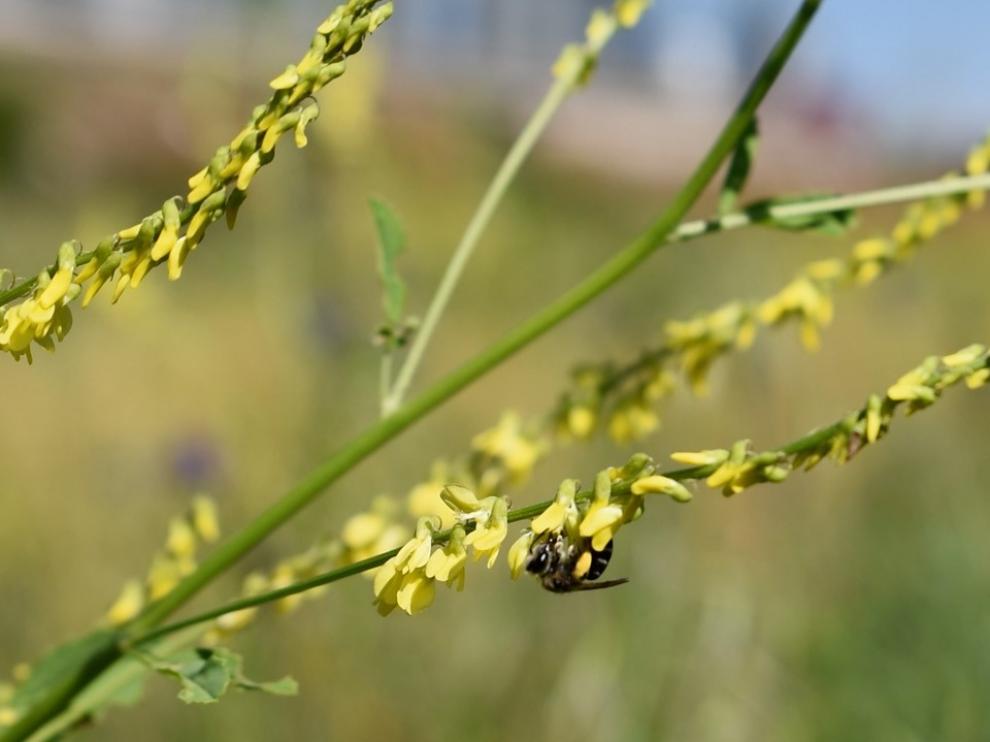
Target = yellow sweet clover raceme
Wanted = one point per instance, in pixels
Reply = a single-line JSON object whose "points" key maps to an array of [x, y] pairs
{"points": [[44, 316], [594, 518], [740, 468], [623, 400], [363, 535], [169, 235]]}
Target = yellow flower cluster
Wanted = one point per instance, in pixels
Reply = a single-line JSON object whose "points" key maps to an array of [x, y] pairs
{"points": [[363, 535], [739, 468], [44, 316], [624, 399], [577, 62], [186, 533], [502, 455], [171, 233], [408, 579]]}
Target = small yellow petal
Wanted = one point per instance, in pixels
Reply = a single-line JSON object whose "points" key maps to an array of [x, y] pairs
{"points": [[582, 565], [551, 519], [128, 605], [205, 518]]}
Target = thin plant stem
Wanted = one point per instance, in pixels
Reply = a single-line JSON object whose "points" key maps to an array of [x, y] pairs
{"points": [[942, 187], [507, 171], [389, 427], [554, 98], [385, 378]]}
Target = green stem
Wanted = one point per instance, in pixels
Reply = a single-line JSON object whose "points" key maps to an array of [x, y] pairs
{"points": [[101, 692], [389, 427], [385, 378]]}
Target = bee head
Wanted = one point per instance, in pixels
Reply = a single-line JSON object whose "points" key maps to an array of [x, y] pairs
{"points": [[540, 558]]}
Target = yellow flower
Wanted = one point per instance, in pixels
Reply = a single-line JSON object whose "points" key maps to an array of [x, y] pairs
{"points": [[164, 574], [874, 420], [447, 563], [386, 587], [631, 421], [600, 523], [630, 11], [508, 443], [964, 357], [583, 563], [491, 528], [426, 498], [551, 519], [978, 378], [205, 519], [362, 530], [181, 542], [659, 484], [416, 592], [402, 580], [519, 553], [701, 458], [128, 605], [416, 552], [571, 64], [560, 512], [600, 27], [581, 421]]}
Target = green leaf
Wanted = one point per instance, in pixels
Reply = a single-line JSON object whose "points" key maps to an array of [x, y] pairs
{"points": [[833, 223], [63, 663], [739, 167], [206, 674], [391, 243]]}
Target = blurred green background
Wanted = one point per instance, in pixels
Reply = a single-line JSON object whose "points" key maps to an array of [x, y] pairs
{"points": [[849, 603]]}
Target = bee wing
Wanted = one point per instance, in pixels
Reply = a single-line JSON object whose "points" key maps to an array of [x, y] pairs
{"points": [[601, 585]]}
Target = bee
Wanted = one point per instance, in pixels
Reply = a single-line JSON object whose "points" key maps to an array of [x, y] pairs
{"points": [[553, 557]]}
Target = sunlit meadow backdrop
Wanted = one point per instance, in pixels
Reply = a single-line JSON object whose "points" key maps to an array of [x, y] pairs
{"points": [[850, 603]]}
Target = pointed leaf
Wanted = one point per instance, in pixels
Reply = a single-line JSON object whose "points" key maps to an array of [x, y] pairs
{"points": [[206, 674], [834, 223], [739, 168], [65, 661], [391, 243]]}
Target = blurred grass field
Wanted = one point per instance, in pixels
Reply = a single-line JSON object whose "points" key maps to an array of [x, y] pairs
{"points": [[849, 603]]}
